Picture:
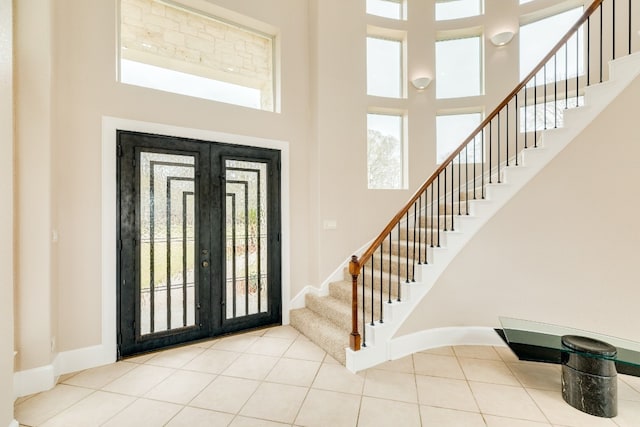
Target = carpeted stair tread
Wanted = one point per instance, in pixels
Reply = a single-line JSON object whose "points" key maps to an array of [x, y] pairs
{"points": [[376, 272], [322, 332], [336, 310], [342, 292]]}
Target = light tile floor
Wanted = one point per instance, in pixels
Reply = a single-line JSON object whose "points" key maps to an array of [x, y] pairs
{"points": [[277, 377]]}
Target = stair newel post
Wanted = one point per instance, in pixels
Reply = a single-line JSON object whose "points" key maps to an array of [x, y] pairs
{"points": [[354, 270]]}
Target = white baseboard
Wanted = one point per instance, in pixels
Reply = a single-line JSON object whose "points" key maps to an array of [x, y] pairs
{"points": [[405, 345], [33, 380], [14, 423], [45, 377], [299, 300], [338, 274], [443, 337], [84, 358]]}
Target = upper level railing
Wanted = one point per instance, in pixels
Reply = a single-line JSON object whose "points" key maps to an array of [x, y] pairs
{"points": [[604, 32]]}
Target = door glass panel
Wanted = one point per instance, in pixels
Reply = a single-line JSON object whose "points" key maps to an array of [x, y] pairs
{"points": [[167, 242], [246, 238]]}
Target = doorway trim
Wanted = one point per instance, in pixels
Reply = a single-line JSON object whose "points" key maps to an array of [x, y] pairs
{"points": [[109, 220]]}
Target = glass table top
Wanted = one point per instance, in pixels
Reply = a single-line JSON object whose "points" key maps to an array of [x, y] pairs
{"points": [[549, 336]]}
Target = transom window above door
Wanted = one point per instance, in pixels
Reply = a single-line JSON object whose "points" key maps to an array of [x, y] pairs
{"points": [[169, 46]]}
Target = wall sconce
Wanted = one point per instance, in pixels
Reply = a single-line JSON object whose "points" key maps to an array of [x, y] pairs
{"points": [[503, 38], [421, 83]]}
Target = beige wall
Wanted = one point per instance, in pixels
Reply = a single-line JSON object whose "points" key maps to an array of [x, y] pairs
{"points": [[67, 83], [6, 212], [564, 250], [35, 311]]}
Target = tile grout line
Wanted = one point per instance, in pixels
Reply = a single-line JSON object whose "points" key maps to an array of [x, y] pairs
{"points": [[529, 394]]}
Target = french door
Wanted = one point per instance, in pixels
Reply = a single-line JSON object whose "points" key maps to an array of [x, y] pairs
{"points": [[199, 240]]}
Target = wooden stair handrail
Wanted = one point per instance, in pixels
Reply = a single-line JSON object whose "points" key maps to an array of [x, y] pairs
{"points": [[396, 219]]}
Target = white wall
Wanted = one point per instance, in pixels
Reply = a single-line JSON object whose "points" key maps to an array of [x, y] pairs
{"points": [[564, 250], [6, 212]]}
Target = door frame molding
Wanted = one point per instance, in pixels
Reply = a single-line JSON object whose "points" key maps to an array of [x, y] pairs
{"points": [[109, 221]]}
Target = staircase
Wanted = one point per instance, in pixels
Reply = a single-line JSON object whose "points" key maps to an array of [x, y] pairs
{"points": [[403, 264]]}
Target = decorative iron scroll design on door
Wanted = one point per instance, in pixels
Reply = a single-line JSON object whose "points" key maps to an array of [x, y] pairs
{"points": [[246, 237], [168, 291]]}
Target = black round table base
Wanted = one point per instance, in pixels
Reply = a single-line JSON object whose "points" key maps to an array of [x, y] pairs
{"points": [[589, 377], [593, 394]]}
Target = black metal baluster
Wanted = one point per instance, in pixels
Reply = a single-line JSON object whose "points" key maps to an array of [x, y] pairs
{"points": [[490, 150], [420, 231], [407, 250], [577, 68], [445, 199], [544, 102], [432, 218], [452, 195], [475, 148], [601, 52], [426, 224], [589, 50], [507, 134], [613, 30], [555, 90], [381, 282], [629, 27], [535, 111], [482, 154], [526, 117], [466, 177], [373, 287], [438, 230], [364, 321], [566, 75], [499, 132], [390, 258], [517, 118], [459, 182], [413, 262], [398, 272]]}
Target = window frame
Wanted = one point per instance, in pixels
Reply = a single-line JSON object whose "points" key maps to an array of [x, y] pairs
{"points": [[481, 7], [461, 35], [396, 37], [460, 112], [548, 14], [223, 17], [404, 158], [402, 4]]}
